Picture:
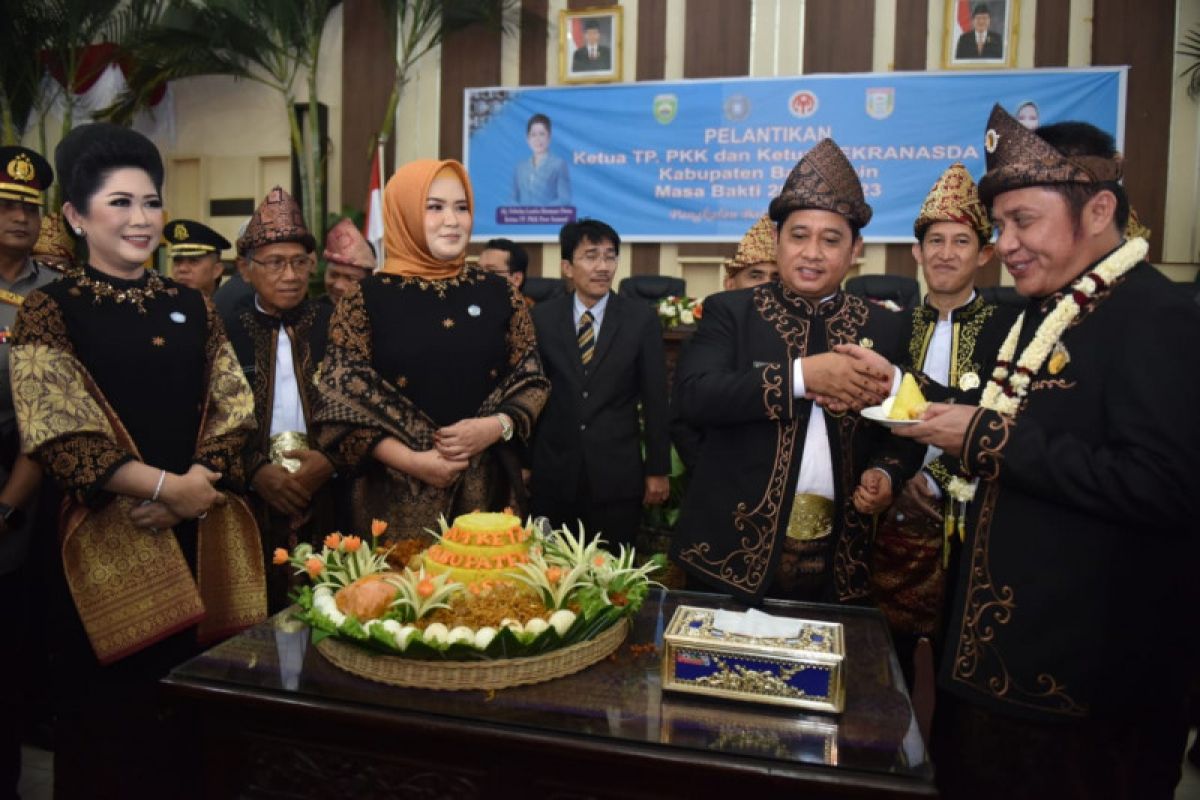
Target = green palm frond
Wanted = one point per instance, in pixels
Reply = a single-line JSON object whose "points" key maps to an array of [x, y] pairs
{"points": [[1190, 46]]}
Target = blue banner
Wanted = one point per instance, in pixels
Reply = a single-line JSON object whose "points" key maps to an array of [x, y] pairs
{"points": [[700, 160]]}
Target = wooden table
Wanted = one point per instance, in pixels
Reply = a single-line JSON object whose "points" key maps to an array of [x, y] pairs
{"points": [[274, 720]]}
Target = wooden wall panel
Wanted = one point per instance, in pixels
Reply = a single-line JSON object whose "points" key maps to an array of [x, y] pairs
{"points": [[1051, 34], [1148, 47], [652, 42], [912, 23], [838, 35], [534, 26], [645, 258], [367, 69], [470, 57], [717, 33]]}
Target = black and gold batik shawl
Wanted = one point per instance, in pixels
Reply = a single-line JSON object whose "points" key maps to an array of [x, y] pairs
{"points": [[133, 588], [408, 355]]}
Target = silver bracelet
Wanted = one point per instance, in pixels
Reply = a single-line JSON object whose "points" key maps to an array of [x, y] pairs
{"points": [[162, 477]]}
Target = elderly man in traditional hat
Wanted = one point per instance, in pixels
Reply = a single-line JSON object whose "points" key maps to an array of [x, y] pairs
{"points": [[195, 251], [348, 259], [954, 335], [1069, 646], [776, 505], [280, 340], [754, 261]]}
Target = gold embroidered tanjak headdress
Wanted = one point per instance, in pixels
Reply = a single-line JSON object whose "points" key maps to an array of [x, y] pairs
{"points": [[756, 247], [954, 198]]}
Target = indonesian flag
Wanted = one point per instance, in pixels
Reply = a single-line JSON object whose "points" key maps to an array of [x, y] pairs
{"points": [[373, 224]]}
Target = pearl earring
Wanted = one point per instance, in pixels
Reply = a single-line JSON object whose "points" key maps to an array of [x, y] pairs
{"points": [[79, 231]]}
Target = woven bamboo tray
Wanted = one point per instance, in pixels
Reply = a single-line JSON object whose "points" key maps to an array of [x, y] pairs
{"points": [[460, 675]]}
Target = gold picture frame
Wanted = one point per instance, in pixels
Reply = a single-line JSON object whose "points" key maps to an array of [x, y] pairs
{"points": [[600, 63], [964, 46]]}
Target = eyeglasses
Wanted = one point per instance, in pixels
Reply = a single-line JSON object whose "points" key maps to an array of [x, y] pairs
{"points": [[592, 257], [299, 264]]}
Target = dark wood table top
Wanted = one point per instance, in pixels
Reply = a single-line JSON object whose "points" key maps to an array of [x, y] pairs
{"points": [[615, 705]]}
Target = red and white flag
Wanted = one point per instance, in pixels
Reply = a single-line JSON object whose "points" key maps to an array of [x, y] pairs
{"points": [[373, 224]]}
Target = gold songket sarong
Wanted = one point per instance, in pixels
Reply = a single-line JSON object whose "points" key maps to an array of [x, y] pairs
{"points": [[806, 548]]}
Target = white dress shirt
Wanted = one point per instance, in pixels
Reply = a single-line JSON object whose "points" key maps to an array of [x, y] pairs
{"points": [[287, 411]]}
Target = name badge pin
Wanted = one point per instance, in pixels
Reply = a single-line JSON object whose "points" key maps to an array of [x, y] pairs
{"points": [[178, 316], [474, 310]]}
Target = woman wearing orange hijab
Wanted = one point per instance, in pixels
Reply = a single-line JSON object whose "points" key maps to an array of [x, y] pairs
{"points": [[431, 377]]}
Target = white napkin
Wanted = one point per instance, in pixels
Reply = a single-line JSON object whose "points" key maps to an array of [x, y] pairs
{"points": [[755, 623]]}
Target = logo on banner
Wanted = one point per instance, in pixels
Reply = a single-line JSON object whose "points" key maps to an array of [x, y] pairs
{"points": [[803, 104], [665, 108], [881, 102], [737, 107]]}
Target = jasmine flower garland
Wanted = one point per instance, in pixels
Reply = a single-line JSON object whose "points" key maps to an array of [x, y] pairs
{"points": [[1006, 390]]}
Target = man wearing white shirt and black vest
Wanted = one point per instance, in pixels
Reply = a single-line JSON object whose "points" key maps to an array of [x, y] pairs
{"points": [[953, 339], [780, 500], [280, 338]]}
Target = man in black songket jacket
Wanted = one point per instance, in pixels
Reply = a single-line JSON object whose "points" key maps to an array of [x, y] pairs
{"points": [[1072, 631], [279, 337], [953, 337], [780, 500]]}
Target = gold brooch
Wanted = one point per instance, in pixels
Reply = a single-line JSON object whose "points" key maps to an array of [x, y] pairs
{"points": [[968, 381], [447, 323], [1059, 358], [866, 342], [991, 140], [158, 341]]}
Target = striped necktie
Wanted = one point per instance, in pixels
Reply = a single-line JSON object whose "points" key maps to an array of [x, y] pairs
{"points": [[587, 337]]}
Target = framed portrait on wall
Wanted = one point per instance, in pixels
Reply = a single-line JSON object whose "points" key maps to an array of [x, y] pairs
{"points": [[980, 34], [589, 45]]}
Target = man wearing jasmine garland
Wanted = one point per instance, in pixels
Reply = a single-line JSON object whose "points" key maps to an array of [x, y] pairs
{"points": [[1081, 537]]}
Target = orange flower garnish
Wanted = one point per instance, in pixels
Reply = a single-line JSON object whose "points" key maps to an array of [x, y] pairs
{"points": [[425, 588], [351, 544], [378, 527], [698, 310], [553, 574], [281, 556], [314, 566], [598, 561], [333, 540]]}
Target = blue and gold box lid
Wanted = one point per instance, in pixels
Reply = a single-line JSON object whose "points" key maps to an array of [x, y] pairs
{"points": [[755, 657]]}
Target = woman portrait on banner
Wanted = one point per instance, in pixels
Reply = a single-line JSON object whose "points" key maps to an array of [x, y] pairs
{"points": [[431, 377], [129, 395], [541, 179]]}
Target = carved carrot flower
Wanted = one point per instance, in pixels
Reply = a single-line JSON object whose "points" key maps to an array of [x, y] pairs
{"points": [[378, 527], [281, 556], [351, 544], [314, 566], [333, 540]]}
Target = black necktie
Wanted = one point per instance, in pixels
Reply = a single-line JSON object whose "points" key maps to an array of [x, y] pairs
{"points": [[587, 337]]}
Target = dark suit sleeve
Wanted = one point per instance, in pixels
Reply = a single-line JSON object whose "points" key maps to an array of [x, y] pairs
{"points": [[715, 390], [652, 370], [1143, 471]]}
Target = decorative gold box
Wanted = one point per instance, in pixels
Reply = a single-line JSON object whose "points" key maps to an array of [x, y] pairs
{"points": [[805, 671]]}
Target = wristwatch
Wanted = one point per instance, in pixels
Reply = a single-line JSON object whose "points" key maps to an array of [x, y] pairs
{"points": [[506, 427], [12, 516]]}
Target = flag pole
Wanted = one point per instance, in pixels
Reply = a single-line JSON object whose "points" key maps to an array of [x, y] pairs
{"points": [[379, 157]]}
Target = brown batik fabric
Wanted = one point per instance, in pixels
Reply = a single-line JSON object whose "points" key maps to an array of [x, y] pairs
{"points": [[358, 408]]}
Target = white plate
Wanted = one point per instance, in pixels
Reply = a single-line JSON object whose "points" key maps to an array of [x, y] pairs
{"points": [[879, 414]]}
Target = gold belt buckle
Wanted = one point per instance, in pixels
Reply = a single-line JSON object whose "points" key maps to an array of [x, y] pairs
{"points": [[282, 443], [811, 517]]}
